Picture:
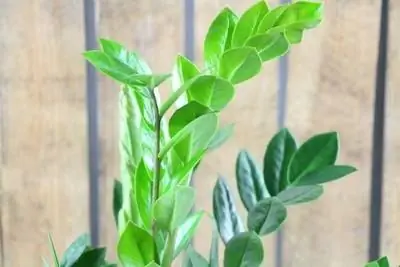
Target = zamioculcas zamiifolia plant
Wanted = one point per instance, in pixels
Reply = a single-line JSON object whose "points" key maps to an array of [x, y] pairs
{"points": [[153, 199]]}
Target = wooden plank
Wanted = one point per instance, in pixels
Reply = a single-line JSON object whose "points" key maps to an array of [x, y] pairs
{"points": [[391, 201], [154, 29], [331, 87], [254, 113], [44, 170]]}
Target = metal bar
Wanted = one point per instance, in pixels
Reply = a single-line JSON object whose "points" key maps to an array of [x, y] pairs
{"points": [[189, 20], [92, 116], [379, 137]]}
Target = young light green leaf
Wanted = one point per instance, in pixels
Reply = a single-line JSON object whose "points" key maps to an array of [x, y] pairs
{"points": [[172, 209], [324, 175], [92, 257], [214, 258], [196, 259], [45, 263], [186, 232], [221, 136], [276, 161], [269, 45], [226, 216], [267, 216], [248, 23], [317, 152], [152, 264], [117, 199], [300, 194], [294, 36], [53, 251], [249, 180], [218, 39], [75, 251], [244, 250], [270, 19], [135, 246], [142, 183], [240, 64]]}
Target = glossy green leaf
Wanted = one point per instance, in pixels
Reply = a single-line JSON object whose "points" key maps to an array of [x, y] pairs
{"points": [[249, 180], [382, 262], [135, 246], [300, 194], [294, 36], [267, 216], [270, 19], [317, 152], [269, 45], [93, 257], [75, 250], [244, 250], [117, 199], [324, 175], [186, 232], [218, 39], [56, 262], [196, 259], [221, 136], [172, 209], [276, 161], [152, 264], [143, 190], [248, 23], [226, 216], [240, 64]]}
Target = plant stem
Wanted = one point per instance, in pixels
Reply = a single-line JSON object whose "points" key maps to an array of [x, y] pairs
{"points": [[169, 251]]}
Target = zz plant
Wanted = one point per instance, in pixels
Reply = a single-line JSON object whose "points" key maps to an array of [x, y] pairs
{"points": [[153, 199]]}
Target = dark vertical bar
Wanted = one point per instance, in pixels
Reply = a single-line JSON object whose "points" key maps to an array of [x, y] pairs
{"points": [[189, 29], [93, 135], [379, 137]]}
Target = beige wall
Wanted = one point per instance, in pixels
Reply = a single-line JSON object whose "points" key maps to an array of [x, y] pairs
{"points": [[43, 175]]}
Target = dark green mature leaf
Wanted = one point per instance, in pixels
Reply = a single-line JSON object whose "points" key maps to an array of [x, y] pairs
{"points": [[244, 250], [53, 251], [226, 216], [324, 175], [186, 232], [172, 209], [94, 257], [218, 39], [300, 194], [142, 183], [317, 152], [117, 200], [221, 136], [75, 250], [269, 45], [267, 216], [135, 246], [270, 19], [248, 23], [240, 64], [249, 180], [276, 161]]}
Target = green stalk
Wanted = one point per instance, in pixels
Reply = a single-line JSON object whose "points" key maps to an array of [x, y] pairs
{"points": [[169, 251]]}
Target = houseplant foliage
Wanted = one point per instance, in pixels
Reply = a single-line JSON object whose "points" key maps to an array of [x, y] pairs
{"points": [[153, 199]]}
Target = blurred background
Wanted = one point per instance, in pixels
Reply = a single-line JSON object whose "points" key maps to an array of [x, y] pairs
{"points": [[59, 123]]}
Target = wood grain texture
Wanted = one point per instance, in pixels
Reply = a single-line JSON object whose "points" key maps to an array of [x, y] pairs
{"points": [[391, 200], [44, 167], [331, 87], [253, 112], [154, 30]]}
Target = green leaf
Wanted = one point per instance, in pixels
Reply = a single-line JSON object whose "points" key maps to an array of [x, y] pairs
{"points": [[226, 216], [186, 232], [45, 263], [269, 45], [317, 152], [267, 216], [248, 23], [240, 64], [276, 161], [244, 250], [382, 262], [294, 36], [53, 251], [152, 264], [75, 250], [143, 190], [324, 175], [221, 136], [249, 180], [135, 246], [219, 38], [214, 258], [93, 257], [172, 209], [270, 19], [211, 91], [117, 200], [300, 194], [196, 259]]}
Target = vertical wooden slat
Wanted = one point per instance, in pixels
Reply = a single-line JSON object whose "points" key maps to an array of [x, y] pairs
{"points": [[254, 113], [154, 29], [331, 87], [44, 166], [391, 200]]}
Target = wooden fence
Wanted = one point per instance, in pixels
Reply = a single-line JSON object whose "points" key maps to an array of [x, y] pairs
{"points": [[326, 83]]}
